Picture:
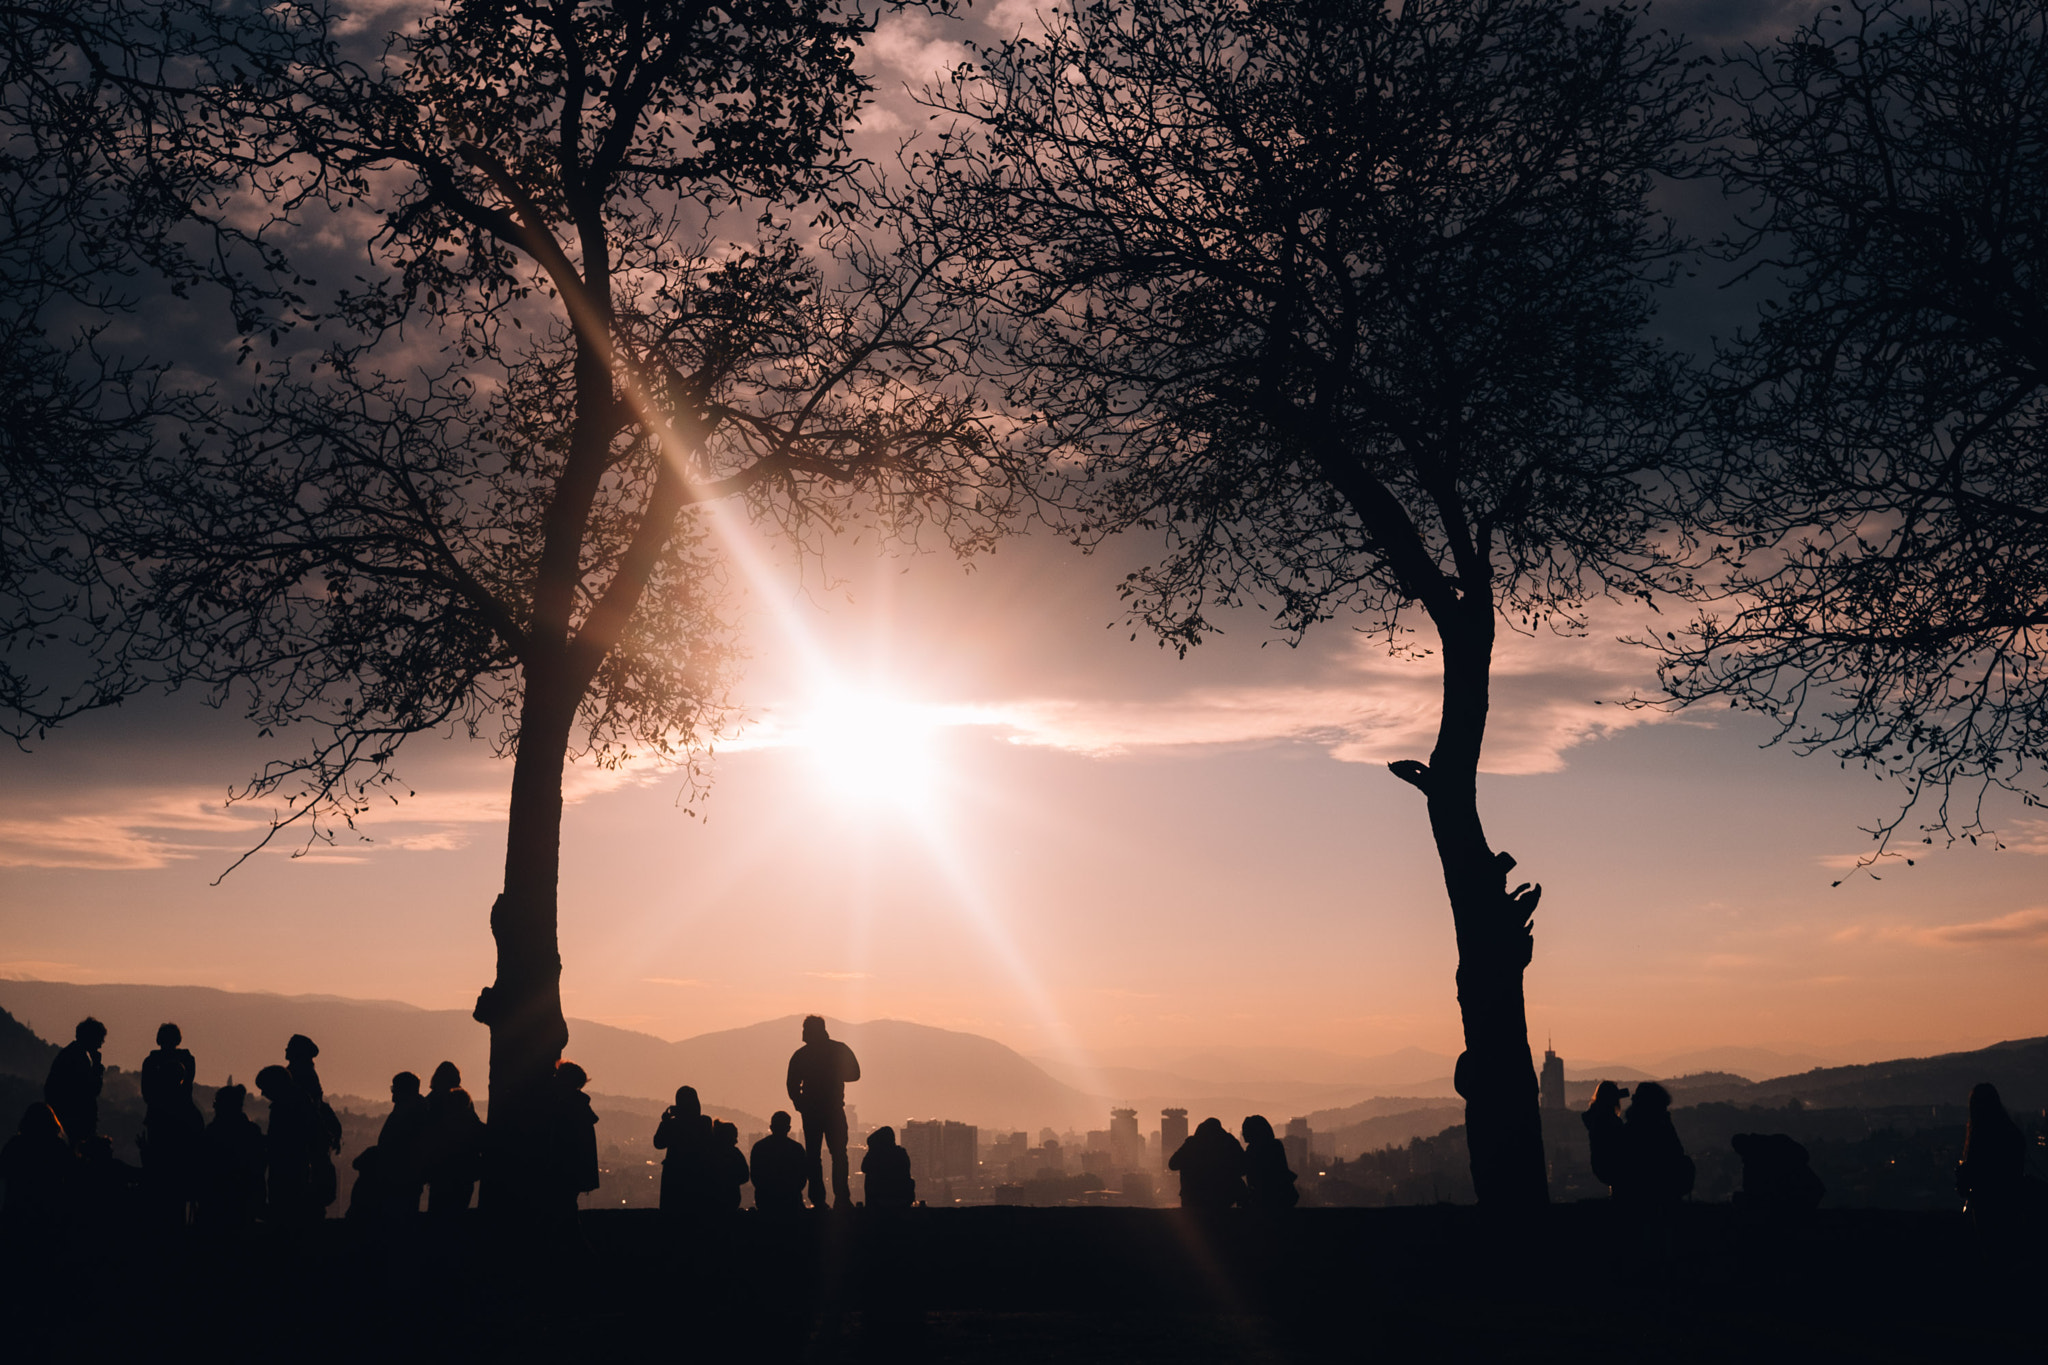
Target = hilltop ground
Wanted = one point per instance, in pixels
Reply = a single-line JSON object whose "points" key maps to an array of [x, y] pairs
{"points": [[1016, 1285]]}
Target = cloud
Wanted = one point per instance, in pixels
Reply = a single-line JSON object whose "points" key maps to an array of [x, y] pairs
{"points": [[1549, 695], [671, 980], [2022, 928], [839, 976]]}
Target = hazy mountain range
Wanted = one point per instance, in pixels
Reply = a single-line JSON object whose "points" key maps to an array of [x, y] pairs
{"points": [[913, 1070]]}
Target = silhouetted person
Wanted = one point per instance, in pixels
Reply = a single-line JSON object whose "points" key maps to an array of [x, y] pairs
{"points": [[726, 1171], [779, 1168], [1655, 1169], [887, 1168], [299, 1052], [292, 1145], [1604, 1133], [399, 1144], [76, 1075], [819, 1072], [1269, 1184], [451, 1142], [40, 1169], [572, 1140], [684, 1138], [1992, 1173], [108, 1189], [1777, 1174], [1211, 1167], [171, 1121], [232, 1164]]}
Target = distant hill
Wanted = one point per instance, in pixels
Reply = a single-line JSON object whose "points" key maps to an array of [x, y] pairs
{"points": [[22, 1053], [2019, 1069], [909, 1070]]}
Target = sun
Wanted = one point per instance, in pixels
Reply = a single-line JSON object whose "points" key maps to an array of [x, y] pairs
{"points": [[868, 747]]}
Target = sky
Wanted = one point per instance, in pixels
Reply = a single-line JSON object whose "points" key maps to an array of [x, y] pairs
{"points": [[964, 796]]}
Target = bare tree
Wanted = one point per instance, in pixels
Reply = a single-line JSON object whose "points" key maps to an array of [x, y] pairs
{"points": [[1352, 300], [621, 270], [1876, 507]]}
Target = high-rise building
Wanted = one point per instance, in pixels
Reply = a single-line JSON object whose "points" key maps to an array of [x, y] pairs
{"points": [[1126, 1145], [1553, 1079], [1173, 1131], [922, 1139], [1298, 1145], [959, 1157]]}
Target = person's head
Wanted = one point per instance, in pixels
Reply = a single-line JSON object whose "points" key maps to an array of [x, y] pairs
{"points": [[1256, 1128], [229, 1099], [404, 1086], [814, 1028], [570, 1076], [1607, 1098], [169, 1035], [300, 1048], [687, 1103], [725, 1134], [1651, 1100], [1214, 1126], [1985, 1106], [40, 1121], [90, 1031], [446, 1077], [275, 1083], [885, 1136], [778, 1123]]}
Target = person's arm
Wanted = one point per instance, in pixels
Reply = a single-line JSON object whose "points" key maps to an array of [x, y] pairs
{"points": [[795, 1081], [852, 1067]]}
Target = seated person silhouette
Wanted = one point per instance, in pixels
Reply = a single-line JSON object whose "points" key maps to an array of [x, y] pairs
{"points": [[1656, 1172], [779, 1168], [1211, 1167], [1604, 1134], [1269, 1184], [684, 1134], [451, 1143], [40, 1169], [1777, 1175], [726, 1170], [887, 1168], [819, 1072], [231, 1166], [76, 1076], [1991, 1177]]}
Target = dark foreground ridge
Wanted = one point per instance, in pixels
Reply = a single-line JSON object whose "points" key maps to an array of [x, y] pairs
{"points": [[1012, 1284]]}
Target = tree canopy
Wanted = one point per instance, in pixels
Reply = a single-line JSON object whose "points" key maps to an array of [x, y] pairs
{"points": [[1874, 498]]}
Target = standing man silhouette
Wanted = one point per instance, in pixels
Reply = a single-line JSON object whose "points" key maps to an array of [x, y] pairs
{"points": [[818, 1073]]}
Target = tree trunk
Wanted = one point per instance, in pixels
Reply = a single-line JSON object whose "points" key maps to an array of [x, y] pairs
{"points": [[523, 1007], [1495, 1075]]}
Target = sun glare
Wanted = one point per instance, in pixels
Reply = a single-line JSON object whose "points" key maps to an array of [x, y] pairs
{"points": [[872, 748]]}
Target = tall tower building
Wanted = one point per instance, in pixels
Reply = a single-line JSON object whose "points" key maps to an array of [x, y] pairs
{"points": [[1553, 1078], [1126, 1147], [1173, 1131]]}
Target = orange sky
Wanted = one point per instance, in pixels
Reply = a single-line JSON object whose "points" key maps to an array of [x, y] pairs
{"points": [[1122, 852]]}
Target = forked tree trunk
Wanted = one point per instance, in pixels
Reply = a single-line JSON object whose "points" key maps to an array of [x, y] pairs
{"points": [[1496, 1075], [523, 1007]]}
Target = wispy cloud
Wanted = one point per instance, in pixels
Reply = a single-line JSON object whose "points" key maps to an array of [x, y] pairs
{"points": [[2020, 928], [671, 980], [839, 976]]}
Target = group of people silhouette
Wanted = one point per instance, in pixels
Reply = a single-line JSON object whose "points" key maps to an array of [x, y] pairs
{"points": [[1217, 1173], [229, 1173], [702, 1169]]}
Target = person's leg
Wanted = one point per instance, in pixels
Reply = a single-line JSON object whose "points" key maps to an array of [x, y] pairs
{"points": [[814, 1137], [835, 1137]]}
